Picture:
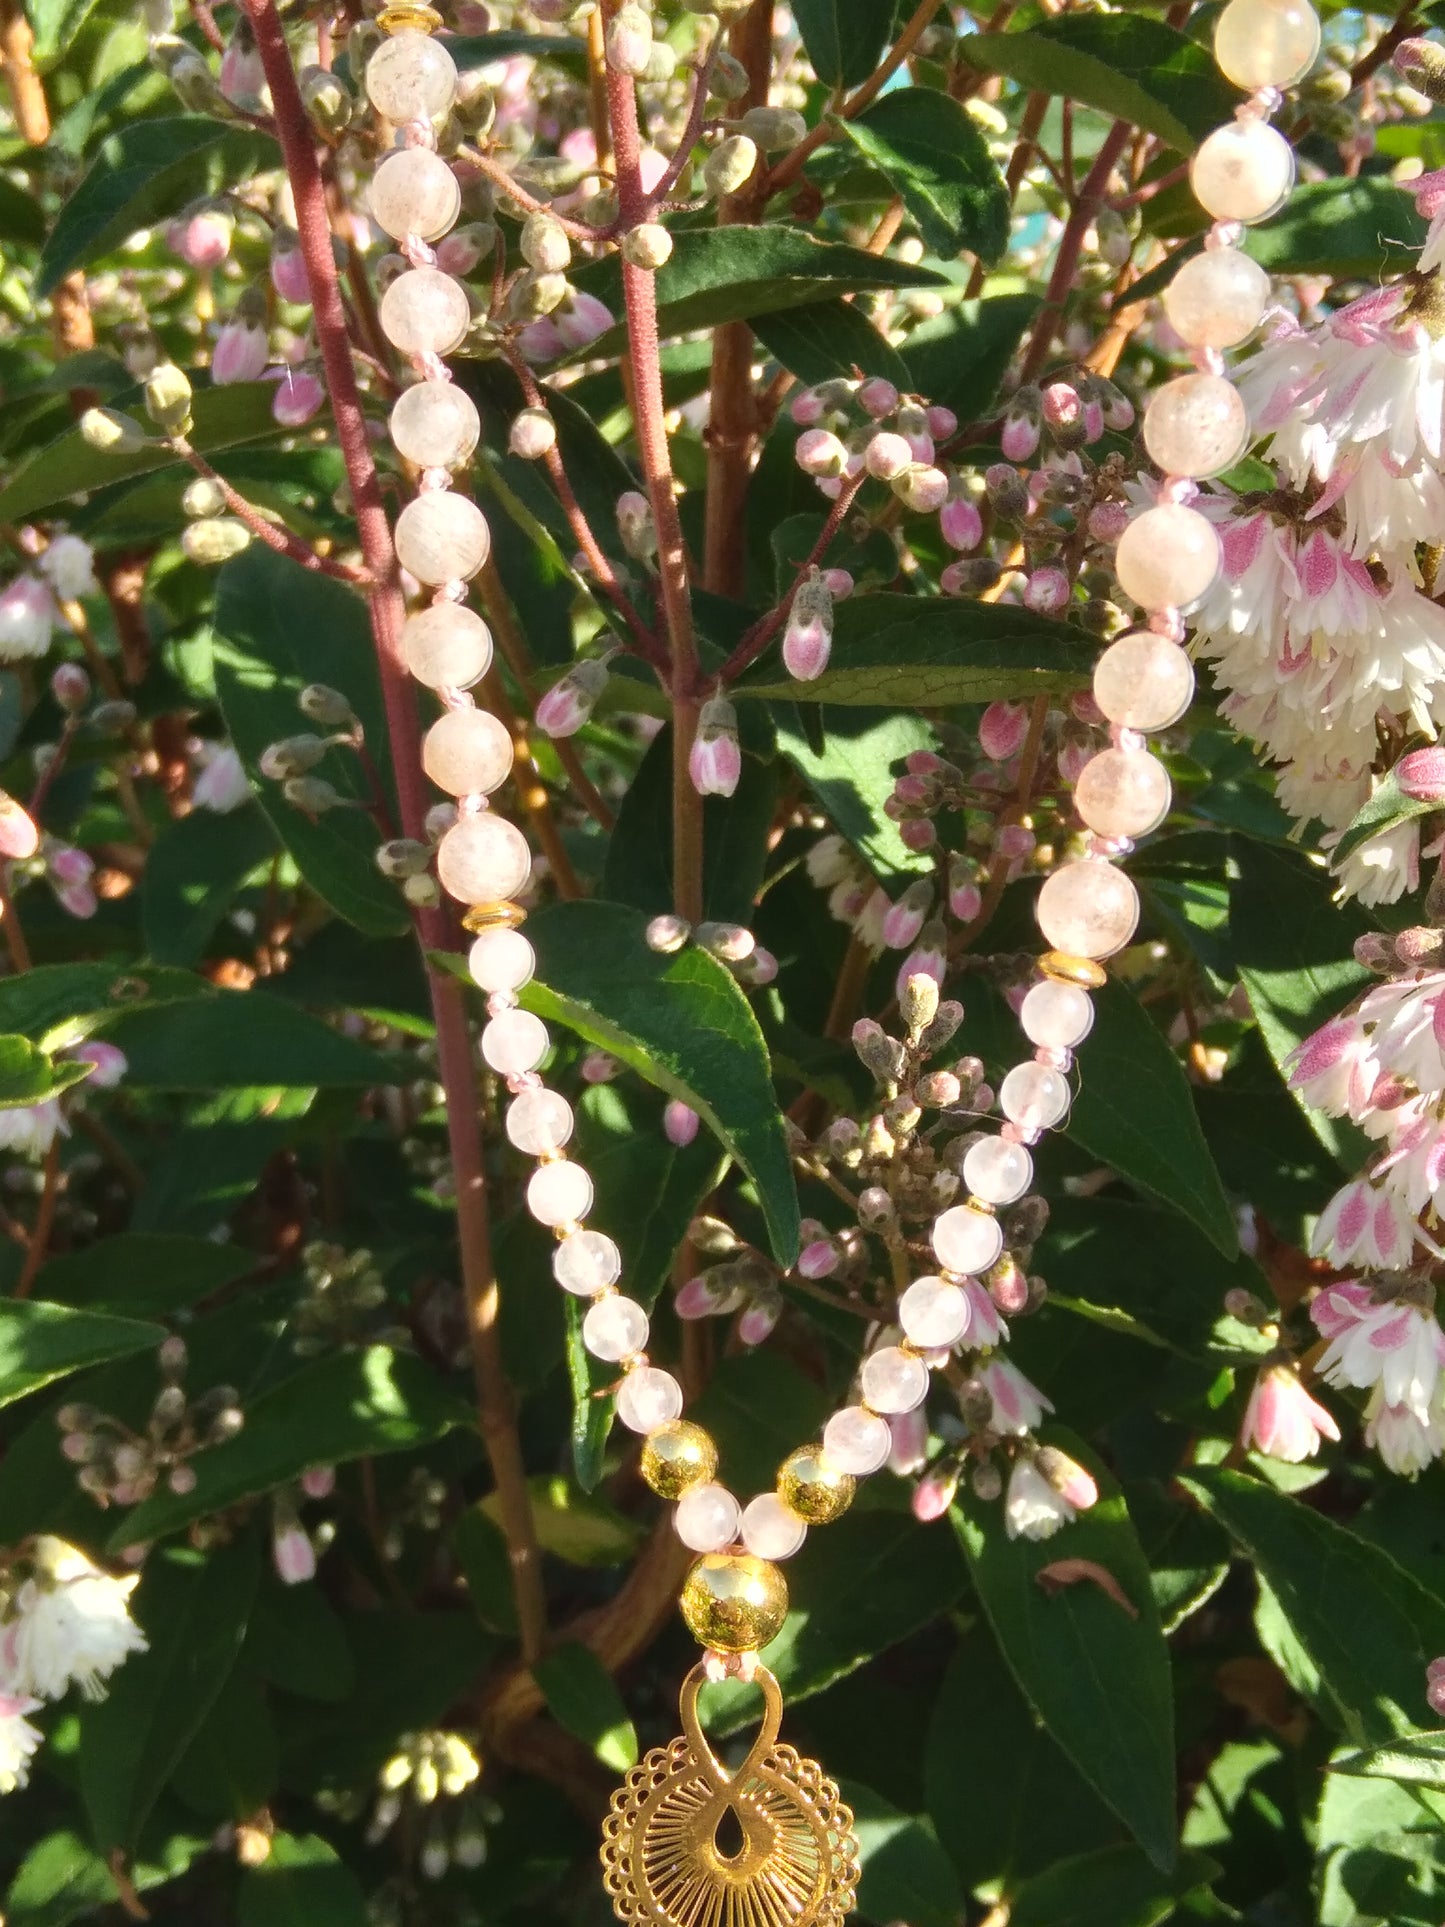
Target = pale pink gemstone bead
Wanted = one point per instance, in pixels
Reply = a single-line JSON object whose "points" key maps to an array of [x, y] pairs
{"points": [[559, 1193], [966, 1241], [586, 1262], [933, 1313], [1057, 1016], [447, 646], [442, 537], [539, 1121], [514, 1041], [1196, 425], [411, 76], [425, 312], [770, 1530], [483, 859], [894, 1380], [1143, 681], [467, 752], [1123, 792], [435, 424], [1218, 299], [856, 1440], [1266, 43], [1034, 1096], [1167, 557], [1088, 908], [1243, 171], [501, 959], [414, 192], [648, 1397], [707, 1518], [614, 1328], [997, 1171]]}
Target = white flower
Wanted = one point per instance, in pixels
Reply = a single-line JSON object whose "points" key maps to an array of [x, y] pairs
{"points": [[1396, 1347], [73, 1625], [1382, 868], [221, 782], [27, 614], [69, 564], [18, 1740], [1032, 1509], [1018, 1404], [1405, 1439], [30, 1128]]}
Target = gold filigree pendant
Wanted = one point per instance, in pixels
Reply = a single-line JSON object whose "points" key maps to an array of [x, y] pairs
{"points": [[690, 1844]]}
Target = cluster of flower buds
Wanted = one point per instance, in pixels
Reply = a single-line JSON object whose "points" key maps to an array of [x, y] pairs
{"points": [[743, 1284], [434, 1775], [730, 943], [853, 429], [341, 1296], [292, 761], [119, 1466]]}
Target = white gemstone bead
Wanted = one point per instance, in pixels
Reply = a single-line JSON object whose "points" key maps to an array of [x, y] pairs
{"points": [[1196, 425], [483, 859], [1088, 908], [1034, 1096], [414, 192], [442, 537], [1217, 299], [447, 646], [539, 1121], [997, 1171], [559, 1193], [647, 1398], [894, 1380], [856, 1440], [1266, 43], [411, 76], [425, 312], [1057, 1016], [1143, 681], [770, 1530], [707, 1518], [933, 1313], [1122, 792], [1243, 171], [514, 1042], [501, 959], [435, 424], [966, 1241], [586, 1262], [467, 752], [1167, 557], [614, 1328]]}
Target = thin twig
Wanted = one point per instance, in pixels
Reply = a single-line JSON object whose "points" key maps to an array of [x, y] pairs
{"points": [[38, 1248], [279, 539], [762, 632]]}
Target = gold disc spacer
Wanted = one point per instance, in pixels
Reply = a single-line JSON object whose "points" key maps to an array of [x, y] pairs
{"points": [[409, 17], [1065, 968], [492, 916]]}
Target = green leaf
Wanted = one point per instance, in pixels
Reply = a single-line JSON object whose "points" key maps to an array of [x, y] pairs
{"points": [[1341, 227], [592, 1402], [921, 652], [192, 874], [845, 39], [1411, 1759], [232, 1039], [936, 156], [193, 1611], [906, 1874], [853, 775], [278, 628], [61, 1878], [959, 359], [583, 1697], [301, 1883], [1115, 1887], [1096, 1674], [1386, 810], [28, 1076], [60, 1004], [143, 1273], [827, 339], [1127, 65], [229, 1770], [40, 1342], [295, 1640], [143, 172], [681, 1022]]}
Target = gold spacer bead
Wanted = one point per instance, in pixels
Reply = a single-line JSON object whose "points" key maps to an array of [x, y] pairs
{"points": [[488, 916], [1065, 968], [676, 1457], [409, 17], [734, 1602], [812, 1488]]}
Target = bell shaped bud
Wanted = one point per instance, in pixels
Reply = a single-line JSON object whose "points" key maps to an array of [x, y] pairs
{"points": [[907, 917], [730, 165], [818, 451], [1002, 729], [68, 564], [242, 349], [635, 525], [168, 398], [299, 396], [214, 540], [570, 701], [887, 455], [201, 237], [1420, 775], [532, 435], [960, 523], [545, 245], [1047, 591], [808, 637], [965, 899], [679, 1123], [648, 246], [715, 762], [288, 268], [243, 78], [922, 488], [760, 1316], [581, 319], [727, 77], [629, 40], [329, 104], [877, 398], [109, 432], [1022, 421], [774, 129]]}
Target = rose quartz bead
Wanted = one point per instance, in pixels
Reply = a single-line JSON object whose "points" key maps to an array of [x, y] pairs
{"points": [[1196, 425], [966, 1241], [559, 1193], [415, 192], [514, 1042], [707, 1518], [501, 959], [933, 1313], [467, 752], [447, 646], [1218, 299], [1057, 1016], [539, 1121], [614, 1328], [1123, 792], [1034, 1096], [856, 1440], [1243, 171], [435, 424], [997, 1171], [1088, 908], [1266, 43], [1143, 681], [1167, 557], [442, 537], [483, 859], [770, 1530], [411, 76], [647, 1398], [586, 1262], [425, 312], [894, 1380]]}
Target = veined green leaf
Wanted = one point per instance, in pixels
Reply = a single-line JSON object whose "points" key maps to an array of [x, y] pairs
{"points": [[936, 156]]}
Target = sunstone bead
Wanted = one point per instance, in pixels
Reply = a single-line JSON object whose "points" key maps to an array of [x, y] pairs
{"points": [[614, 1328], [677, 1456], [1143, 681], [734, 1602], [425, 312], [856, 1440], [1123, 792], [707, 1518], [414, 192], [1167, 558], [1242, 172], [559, 1193], [1088, 908], [442, 537], [447, 646], [934, 1314], [966, 1241], [539, 1121], [501, 959], [813, 1487], [1196, 425], [483, 859], [1035, 1096], [894, 1380], [586, 1262], [648, 1397], [514, 1042], [435, 424], [1218, 299], [1057, 1016], [1266, 43], [997, 1171], [411, 77], [771, 1529], [467, 752]]}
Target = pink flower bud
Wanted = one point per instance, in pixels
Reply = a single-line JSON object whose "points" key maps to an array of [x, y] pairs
{"points": [[679, 1123], [108, 1063], [838, 583], [1108, 521], [1014, 841], [240, 353], [932, 1496], [599, 1068], [582, 320], [77, 900], [1002, 729], [715, 761], [70, 686], [960, 523], [819, 452], [1073, 758], [19, 836], [919, 833], [942, 423], [877, 397], [570, 701], [761, 967], [202, 239], [923, 762], [922, 489], [807, 409], [1068, 1478], [907, 917], [887, 455], [299, 396], [67, 865], [909, 1450], [923, 962], [243, 78], [1421, 774], [1062, 405], [1047, 591], [1084, 709], [319, 1482], [293, 1554], [807, 644], [819, 1259], [288, 270], [1020, 434], [540, 341], [458, 253], [760, 1317]]}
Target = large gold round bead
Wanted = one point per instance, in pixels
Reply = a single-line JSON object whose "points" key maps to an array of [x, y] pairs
{"points": [[734, 1601], [676, 1457], [812, 1488]]}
